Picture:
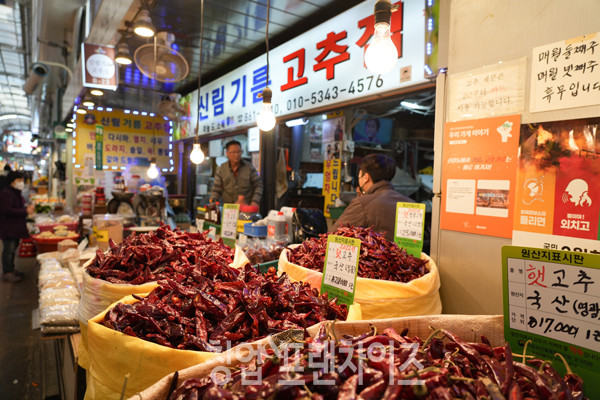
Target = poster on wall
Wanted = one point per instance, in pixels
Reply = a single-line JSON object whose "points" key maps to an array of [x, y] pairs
{"points": [[566, 74], [557, 198], [331, 183], [478, 176], [496, 89]]}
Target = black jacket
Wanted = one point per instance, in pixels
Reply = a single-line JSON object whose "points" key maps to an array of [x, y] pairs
{"points": [[13, 214]]}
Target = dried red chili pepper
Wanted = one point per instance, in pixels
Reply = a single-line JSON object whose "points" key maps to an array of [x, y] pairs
{"points": [[161, 254], [379, 259]]}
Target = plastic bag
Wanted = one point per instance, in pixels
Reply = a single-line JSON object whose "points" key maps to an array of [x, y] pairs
{"points": [[380, 299]]}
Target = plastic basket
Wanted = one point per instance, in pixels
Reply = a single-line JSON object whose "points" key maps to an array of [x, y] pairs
{"points": [[71, 226]]}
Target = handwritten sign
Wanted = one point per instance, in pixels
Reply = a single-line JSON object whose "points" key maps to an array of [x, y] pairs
{"points": [[99, 139], [341, 268], [491, 90], [552, 298], [410, 226], [229, 223], [566, 74]]}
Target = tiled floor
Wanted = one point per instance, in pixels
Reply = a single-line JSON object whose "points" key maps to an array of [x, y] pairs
{"points": [[27, 366]]}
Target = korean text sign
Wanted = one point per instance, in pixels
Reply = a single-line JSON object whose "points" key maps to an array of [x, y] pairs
{"points": [[557, 200], [128, 138], [552, 298], [566, 74], [320, 67], [331, 183], [341, 268], [99, 66], [229, 223], [478, 175], [409, 228]]}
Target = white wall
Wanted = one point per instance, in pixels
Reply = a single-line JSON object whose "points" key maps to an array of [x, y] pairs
{"points": [[483, 32]]}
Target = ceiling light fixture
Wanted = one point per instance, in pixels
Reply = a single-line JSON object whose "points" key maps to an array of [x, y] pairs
{"points": [[142, 25], [81, 111], [152, 170], [96, 92], [266, 119], [296, 122], [87, 101], [197, 156], [381, 55], [123, 56]]}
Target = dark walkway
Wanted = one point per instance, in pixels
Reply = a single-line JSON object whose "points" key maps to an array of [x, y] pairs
{"points": [[27, 362]]}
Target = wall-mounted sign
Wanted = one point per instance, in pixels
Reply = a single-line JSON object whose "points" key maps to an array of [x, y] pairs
{"points": [[99, 67], [496, 89], [321, 67], [331, 183], [128, 139], [557, 204], [478, 175], [566, 74], [551, 298]]}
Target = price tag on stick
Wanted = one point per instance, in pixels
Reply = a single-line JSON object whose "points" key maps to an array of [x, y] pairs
{"points": [[410, 226], [229, 224], [341, 268]]}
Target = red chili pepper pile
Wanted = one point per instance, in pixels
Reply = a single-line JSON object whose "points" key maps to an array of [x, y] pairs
{"points": [[222, 306], [156, 255], [379, 259], [372, 366]]}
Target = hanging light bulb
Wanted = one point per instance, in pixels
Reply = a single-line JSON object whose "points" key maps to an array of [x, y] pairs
{"points": [[266, 119], [197, 156], [381, 55], [152, 170]]}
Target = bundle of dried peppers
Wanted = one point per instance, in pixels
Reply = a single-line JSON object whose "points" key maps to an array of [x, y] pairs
{"points": [[379, 258], [156, 255], [389, 365], [217, 306]]}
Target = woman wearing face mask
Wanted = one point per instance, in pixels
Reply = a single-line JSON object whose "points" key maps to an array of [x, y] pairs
{"points": [[13, 227], [376, 204]]}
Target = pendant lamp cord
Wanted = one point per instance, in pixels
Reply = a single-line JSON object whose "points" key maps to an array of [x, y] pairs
{"points": [[153, 101], [267, 39], [200, 68]]}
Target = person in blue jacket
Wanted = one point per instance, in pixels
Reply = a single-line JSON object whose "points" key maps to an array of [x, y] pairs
{"points": [[13, 225]]}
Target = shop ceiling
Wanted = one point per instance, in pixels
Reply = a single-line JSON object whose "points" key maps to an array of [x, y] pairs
{"points": [[234, 34]]}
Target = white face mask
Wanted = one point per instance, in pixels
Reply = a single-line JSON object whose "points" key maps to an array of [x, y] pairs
{"points": [[19, 185]]}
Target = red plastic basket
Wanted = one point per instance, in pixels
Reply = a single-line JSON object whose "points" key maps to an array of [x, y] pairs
{"points": [[45, 245], [72, 226]]}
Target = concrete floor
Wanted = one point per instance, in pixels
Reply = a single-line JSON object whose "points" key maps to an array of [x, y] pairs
{"points": [[27, 361]]}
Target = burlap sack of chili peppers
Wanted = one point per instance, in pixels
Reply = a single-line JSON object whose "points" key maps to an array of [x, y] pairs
{"points": [[159, 254], [468, 327], [380, 299]]}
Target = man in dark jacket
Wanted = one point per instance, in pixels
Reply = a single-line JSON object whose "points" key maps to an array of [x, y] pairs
{"points": [[13, 226], [376, 203], [236, 181]]}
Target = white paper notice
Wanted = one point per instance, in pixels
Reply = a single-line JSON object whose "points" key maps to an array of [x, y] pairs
{"points": [[566, 74], [460, 196], [492, 90]]}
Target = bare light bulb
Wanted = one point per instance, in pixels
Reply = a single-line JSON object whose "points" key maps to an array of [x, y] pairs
{"points": [[381, 55], [152, 171], [266, 118], [196, 156]]}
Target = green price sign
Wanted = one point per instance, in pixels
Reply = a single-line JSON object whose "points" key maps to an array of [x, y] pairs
{"points": [[410, 227], [99, 143], [551, 300], [341, 268], [229, 223]]}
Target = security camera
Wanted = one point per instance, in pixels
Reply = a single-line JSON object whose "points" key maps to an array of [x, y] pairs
{"points": [[37, 75]]}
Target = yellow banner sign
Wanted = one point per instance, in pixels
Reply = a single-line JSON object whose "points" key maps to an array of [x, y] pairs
{"points": [[130, 138], [331, 183]]}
